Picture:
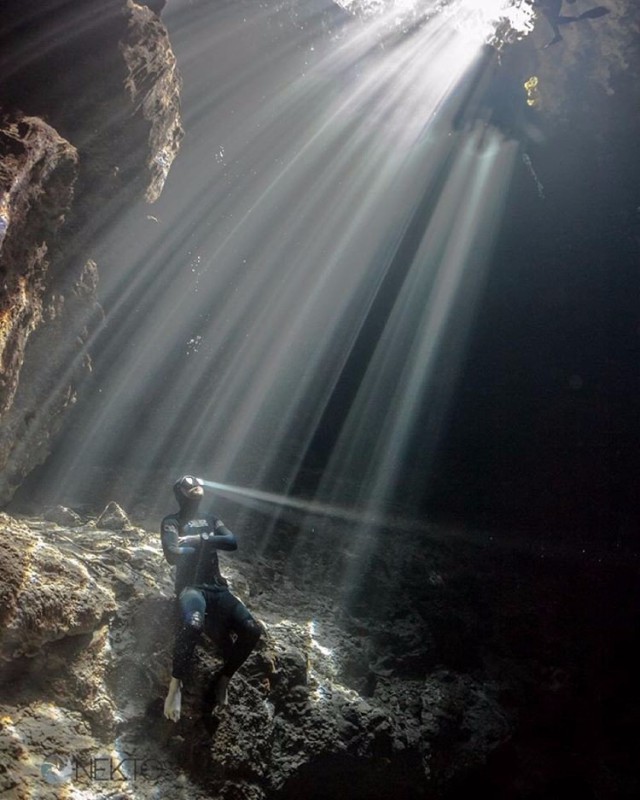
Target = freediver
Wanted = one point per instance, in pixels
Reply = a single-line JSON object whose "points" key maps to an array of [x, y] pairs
{"points": [[552, 11], [190, 542]]}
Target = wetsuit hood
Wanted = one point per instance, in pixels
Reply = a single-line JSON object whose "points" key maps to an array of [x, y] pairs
{"points": [[182, 489]]}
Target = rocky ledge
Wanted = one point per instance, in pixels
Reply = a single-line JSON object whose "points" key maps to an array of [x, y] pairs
{"points": [[424, 663], [326, 699]]}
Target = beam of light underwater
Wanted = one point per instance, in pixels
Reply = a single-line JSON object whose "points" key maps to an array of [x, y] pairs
{"points": [[311, 513], [429, 320], [342, 168], [309, 507], [413, 371], [250, 297]]}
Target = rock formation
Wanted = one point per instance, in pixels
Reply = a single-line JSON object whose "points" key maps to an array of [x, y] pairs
{"points": [[85, 654], [436, 672], [38, 173], [111, 133]]}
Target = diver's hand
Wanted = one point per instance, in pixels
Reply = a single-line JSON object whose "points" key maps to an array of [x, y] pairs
{"points": [[220, 538]]}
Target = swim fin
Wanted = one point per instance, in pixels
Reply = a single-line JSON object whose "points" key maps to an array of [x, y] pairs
{"points": [[594, 13]]}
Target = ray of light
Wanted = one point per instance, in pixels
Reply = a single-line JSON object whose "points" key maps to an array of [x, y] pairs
{"points": [[297, 212]]}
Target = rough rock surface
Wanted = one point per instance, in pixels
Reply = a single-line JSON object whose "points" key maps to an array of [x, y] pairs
{"points": [[438, 673], [66, 517], [113, 129], [593, 58], [116, 96], [113, 518], [153, 87], [85, 659], [38, 170]]}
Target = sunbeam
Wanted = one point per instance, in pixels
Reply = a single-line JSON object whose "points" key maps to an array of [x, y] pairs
{"points": [[332, 223]]}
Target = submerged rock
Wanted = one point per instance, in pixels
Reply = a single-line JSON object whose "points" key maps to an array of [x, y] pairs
{"points": [[38, 173], [113, 518], [85, 659], [153, 86], [50, 595], [430, 678], [113, 130], [62, 515]]}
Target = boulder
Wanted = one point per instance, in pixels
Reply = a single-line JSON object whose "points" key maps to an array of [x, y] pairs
{"points": [[63, 516], [113, 518]]}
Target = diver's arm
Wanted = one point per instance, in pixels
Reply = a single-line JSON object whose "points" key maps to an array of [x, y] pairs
{"points": [[192, 542], [174, 545], [221, 538], [209, 530]]}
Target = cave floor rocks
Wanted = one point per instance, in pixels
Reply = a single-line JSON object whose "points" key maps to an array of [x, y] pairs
{"points": [[430, 669]]}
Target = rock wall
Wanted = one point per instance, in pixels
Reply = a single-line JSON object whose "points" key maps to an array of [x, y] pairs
{"points": [[74, 152], [38, 172], [44, 314]]}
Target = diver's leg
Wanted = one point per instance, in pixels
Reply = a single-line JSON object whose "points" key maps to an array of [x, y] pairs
{"points": [[557, 36], [235, 649], [247, 633], [191, 605]]}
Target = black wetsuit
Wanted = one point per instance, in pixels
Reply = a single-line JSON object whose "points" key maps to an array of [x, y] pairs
{"points": [[190, 542], [552, 11]]}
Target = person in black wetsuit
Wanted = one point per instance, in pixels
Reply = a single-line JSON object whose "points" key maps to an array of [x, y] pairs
{"points": [[190, 542], [552, 9]]}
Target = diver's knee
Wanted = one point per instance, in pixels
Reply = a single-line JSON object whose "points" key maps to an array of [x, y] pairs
{"points": [[251, 632], [194, 621]]}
